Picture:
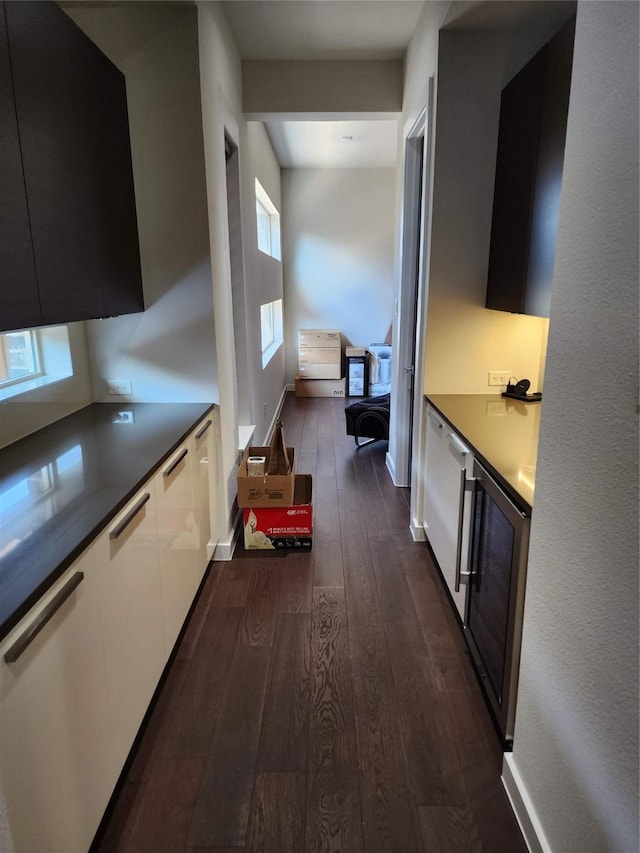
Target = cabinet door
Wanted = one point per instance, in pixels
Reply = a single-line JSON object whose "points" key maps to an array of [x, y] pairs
{"points": [[520, 109], [446, 505], [56, 765], [71, 109], [546, 199], [19, 300], [178, 538], [204, 454], [131, 612]]}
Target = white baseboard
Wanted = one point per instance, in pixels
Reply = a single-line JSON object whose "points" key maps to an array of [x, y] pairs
{"points": [[391, 468], [523, 807], [418, 532], [278, 411], [225, 547]]}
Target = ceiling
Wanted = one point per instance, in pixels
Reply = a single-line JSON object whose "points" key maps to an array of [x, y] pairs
{"points": [[357, 30], [327, 30], [322, 29]]}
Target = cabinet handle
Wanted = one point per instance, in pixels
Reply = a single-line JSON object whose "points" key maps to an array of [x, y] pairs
{"points": [[169, 471], [117, 531], [202, 431], [434, 418], [457, 445], [466, 485], [28, 636]]}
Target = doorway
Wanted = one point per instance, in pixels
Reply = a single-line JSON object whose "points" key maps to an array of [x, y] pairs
{"points": [[237, 280], [407, 335]]}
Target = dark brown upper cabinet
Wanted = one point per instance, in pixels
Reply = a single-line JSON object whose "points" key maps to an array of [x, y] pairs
{"points": [[19, 299], [70, 104], [526, 201]]}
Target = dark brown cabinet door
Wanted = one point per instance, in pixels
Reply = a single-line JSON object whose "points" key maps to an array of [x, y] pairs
{"points": [[19, 301], [520, 109], [533, 121], [546, 200], [72, 118]]}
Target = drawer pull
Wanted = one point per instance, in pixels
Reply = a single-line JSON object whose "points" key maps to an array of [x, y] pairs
{"points": [[117, 531], [28, 636], [202, 431], [169, 471]]}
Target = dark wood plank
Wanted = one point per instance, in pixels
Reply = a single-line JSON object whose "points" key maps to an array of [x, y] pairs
{"points": [[327, 549], [171, 792], [450, 829], [187, 722], [424, 711], [200, 613], [360, 585], [296, 584], [285, 725], [389, 816], [233, 585], [118, 832], [221, 812], [374, 514], [448, 656], [277, 821], [220, 628], [261, 607], [333, 820]]}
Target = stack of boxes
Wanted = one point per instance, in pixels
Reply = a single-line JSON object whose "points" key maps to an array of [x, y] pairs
{"points": [[276, 508], [320, 364]]}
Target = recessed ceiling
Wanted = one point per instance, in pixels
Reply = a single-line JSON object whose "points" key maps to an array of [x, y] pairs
{"points": [[334, 144], [322, 29]]}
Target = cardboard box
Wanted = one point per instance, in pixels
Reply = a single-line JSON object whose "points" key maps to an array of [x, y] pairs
{"points": [[275, 528], [355, 351], [270, 490], [319, 387], [320, 338]]}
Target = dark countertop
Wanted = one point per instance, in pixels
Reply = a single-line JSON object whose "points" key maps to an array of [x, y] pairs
{"points": [[503, 435], [62, 485]]}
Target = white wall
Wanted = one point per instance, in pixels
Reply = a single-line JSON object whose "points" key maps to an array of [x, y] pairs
{"points": [[338, 250], [264, 282], [168, 351], [221, 90], [465, 340], [576, 735]]}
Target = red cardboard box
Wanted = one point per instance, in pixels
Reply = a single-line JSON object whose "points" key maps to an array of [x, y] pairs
{"points": [[271, 528]]}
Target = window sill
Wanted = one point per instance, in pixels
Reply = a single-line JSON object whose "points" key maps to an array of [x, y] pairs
{"points": [[29, 385]]}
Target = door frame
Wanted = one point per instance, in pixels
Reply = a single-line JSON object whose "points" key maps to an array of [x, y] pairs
{"points": [[415, 229]]}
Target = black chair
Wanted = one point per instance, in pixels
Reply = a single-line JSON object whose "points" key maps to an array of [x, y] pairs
{"points": [[369, 418]]}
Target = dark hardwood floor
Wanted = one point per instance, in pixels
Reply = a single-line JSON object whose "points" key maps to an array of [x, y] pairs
{"points": [[321, 701]]}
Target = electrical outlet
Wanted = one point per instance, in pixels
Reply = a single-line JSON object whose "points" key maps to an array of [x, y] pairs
{"points": [[119, 387], [499, 377]]}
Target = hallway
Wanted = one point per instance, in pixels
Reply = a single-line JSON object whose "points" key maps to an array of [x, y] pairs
{"points": [[321, 701]]}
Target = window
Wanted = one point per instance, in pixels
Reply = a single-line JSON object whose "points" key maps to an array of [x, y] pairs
{"points": [[32, 358], [270, 329], [268, 223], [19, 356]]}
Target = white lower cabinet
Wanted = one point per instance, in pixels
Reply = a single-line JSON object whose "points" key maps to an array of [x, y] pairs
{"points": [[56, 767], [178, 538], [127, 564], [447, 504], [76, 683], [204, 489]]}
